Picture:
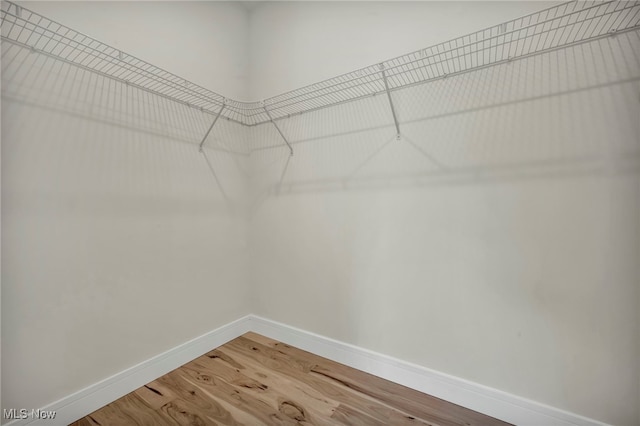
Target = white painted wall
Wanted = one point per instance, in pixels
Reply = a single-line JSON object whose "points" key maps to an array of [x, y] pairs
{"points": [[117, 243], [512, 261]]}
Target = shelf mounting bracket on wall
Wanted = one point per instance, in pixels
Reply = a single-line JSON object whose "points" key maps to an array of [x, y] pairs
{"points": [[393, 110], [278, 129], [206, 135]]}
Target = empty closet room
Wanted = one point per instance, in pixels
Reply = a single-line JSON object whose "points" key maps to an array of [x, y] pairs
{"points": [[321, 213]]}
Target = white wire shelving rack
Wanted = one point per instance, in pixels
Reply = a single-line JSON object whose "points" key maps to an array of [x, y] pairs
{"points": [[553, 28]]}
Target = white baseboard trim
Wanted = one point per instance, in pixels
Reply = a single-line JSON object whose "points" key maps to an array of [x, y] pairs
{"points": [[483, 399], [87, 400]]}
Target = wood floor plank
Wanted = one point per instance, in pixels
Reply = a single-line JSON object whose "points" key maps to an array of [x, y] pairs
{"points": [[350, 395], [345, 395], [346, 415], [184, 414], [397, 396], [152, 396], [259, 338], [192, 405], [254, 380], [85, 421], [128, 411], [275, 389], [217, 388]]}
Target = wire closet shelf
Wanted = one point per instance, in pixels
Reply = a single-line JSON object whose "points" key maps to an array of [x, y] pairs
{"points": [[553, 28]]}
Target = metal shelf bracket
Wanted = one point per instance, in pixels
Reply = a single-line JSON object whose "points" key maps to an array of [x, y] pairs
{"points": [[393, 110], [224, 104], [278, 129]]}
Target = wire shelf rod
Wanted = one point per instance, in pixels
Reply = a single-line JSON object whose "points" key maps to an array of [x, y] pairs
{"points": [[465, 48], [390, 69], [547, 30], [84, 44], [393, 89], [121, 81]]}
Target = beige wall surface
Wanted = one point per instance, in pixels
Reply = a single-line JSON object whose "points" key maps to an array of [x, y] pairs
{"points": [[118, 242], [498, 240]]}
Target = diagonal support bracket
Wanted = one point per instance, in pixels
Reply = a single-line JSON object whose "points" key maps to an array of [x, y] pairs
{"points": [[206, 135], [278, 129], [393, 110]]}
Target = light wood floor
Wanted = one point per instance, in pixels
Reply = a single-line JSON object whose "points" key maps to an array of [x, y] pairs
{"points": [[253, 380]]}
